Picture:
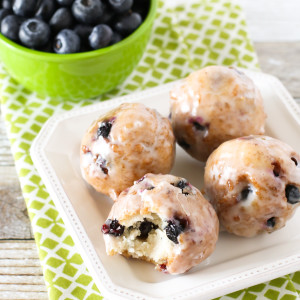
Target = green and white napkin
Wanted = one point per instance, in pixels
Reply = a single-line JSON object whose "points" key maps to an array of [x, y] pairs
{"points": [[185, 38]]}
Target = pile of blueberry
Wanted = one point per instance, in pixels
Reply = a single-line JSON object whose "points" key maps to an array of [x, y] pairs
{"points": [[70, 26]]}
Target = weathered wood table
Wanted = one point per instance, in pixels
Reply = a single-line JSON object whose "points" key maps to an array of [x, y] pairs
{"points": [[275, 31]]}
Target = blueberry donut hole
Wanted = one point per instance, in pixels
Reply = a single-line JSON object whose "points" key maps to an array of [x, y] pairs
{"points": [[162, 225], [253, 182]]}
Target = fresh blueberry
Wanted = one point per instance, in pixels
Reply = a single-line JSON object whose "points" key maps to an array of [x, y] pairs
{"points": [[101, 36], [121, 6], [24, 8], [113, 227], [144, 228], [271, 222], [292, 194], [116, 38], [83, 32], [61, 19], [65, 2], [3, 13], [245, 193], [7, 4], [67, 41], [10, 27], [107, 15], [101, 162], [128, 23], [175, 227], [34, 33], [87, 11], [45, 9], [104, 129]]}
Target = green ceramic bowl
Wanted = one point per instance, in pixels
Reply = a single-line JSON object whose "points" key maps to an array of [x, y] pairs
{"points": [[81, 75]]}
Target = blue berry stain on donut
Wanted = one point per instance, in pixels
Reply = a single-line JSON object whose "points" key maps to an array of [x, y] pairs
{"points": [[113, 227], [276, 169], [101, 162], [149, 188], [199, 125], [294, 160], [245, 193], [145, 228], [175, 227], [105, 127], [182, 184], [292, 194], [271, 222]]}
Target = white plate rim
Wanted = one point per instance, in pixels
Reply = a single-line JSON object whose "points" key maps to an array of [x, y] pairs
{"points": [[106, 286]]}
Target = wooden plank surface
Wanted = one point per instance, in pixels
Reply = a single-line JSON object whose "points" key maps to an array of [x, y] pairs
{"points": [[14, 222], [20, 271]]}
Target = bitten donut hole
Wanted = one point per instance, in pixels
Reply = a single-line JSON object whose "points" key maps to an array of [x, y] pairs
{"points": [[145, 237]]}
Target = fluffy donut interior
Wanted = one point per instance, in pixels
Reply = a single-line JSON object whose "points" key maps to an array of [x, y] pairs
{"points": [[144, 238]]}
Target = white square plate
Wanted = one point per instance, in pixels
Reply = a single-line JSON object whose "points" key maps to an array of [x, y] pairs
{"points": [[236, 263]]}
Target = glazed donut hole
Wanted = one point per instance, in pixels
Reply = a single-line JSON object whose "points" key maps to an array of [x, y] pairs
{"points": [[254, 184], [123, 145], [213, 105], [164, 220]]}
